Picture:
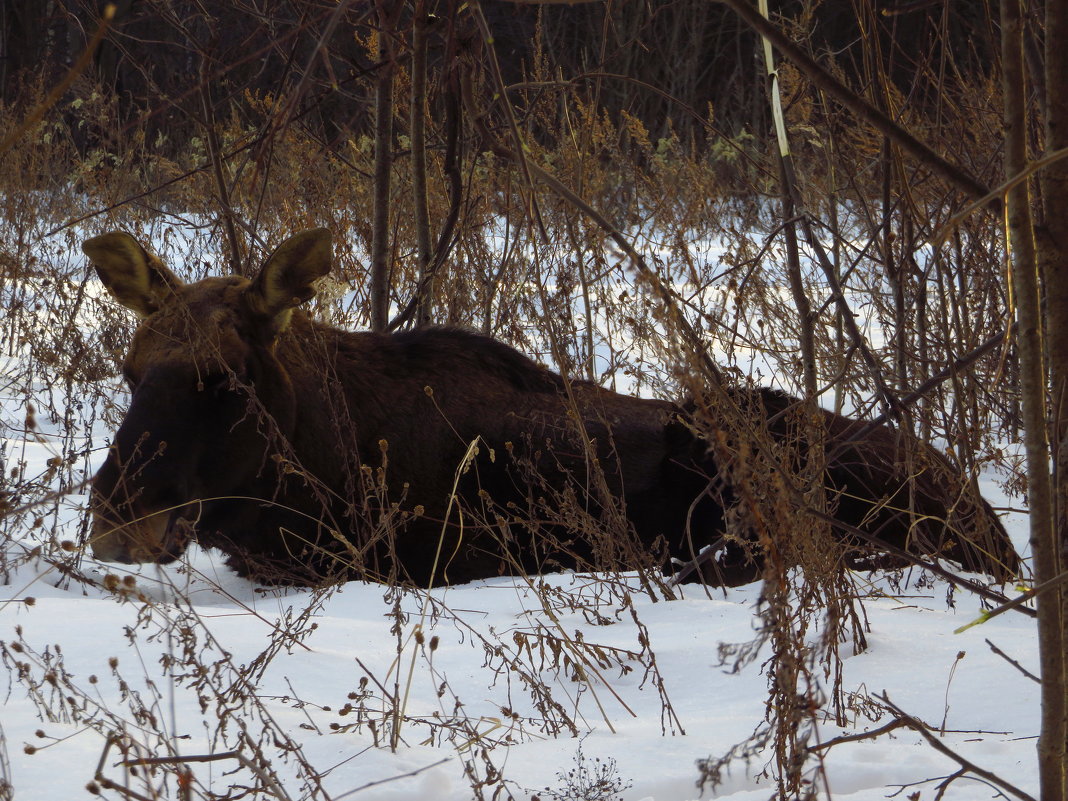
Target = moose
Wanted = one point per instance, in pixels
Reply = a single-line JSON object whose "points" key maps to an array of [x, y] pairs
{"points": [[310, 454]]}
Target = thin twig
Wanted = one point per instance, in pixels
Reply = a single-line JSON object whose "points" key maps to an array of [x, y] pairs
{"points": [[305, 79], [53, 96], [1013, 662], [959, 364], [521, 159], [1018, 601], [932, 567], [268, 780], [178, 760], [925, 731], [218, 170], [377, 782], [896, 723], [952, 173], [1001, 189]]}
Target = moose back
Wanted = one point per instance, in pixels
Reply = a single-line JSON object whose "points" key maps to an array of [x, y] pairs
{"points": [[309, 454]]}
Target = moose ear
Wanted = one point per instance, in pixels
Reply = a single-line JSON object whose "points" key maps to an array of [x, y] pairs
{"points": [[288, 277], [135, 278]]}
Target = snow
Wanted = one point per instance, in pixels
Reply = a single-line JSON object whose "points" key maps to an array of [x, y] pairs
{"points": [[494, 639]]}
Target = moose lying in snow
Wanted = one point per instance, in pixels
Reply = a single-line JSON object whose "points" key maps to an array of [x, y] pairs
{"points": [[309, 454]]}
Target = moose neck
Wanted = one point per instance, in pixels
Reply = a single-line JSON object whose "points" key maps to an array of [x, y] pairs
{"points": [[318, 363]]}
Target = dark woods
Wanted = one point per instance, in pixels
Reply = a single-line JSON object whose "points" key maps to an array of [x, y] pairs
{"points": [[310, 454], [691, 55]]}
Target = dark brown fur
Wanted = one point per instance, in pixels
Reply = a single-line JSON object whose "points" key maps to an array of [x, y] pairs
{"points": [[308, 453]]}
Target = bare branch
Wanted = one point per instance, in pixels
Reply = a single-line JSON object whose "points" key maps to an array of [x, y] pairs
{"points": [[1013, 662], [57, 91], [952, 173], [924, 731]]}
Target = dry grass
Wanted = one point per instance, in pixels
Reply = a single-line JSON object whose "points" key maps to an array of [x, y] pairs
{"points": [[554, 286]]}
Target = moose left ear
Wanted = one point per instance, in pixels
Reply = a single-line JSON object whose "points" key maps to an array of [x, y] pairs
{"points": [[288, 277], [133, 276]]}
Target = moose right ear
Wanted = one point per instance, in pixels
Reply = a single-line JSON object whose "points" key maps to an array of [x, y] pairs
{"points": [[289, 275], [135, 278]]}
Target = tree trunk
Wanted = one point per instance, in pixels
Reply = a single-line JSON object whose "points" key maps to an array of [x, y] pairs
{"points": [[419, 185], [1052, 240], [1024, 267], [383, 166]]}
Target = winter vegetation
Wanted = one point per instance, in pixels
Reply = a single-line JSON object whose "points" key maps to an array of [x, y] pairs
{"points": [[680, 202]]}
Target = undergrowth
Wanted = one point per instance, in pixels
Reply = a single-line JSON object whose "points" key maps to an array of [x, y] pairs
{"points": [[556, 288]]}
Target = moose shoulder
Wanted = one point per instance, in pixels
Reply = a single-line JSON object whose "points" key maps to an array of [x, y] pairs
{"points": [[308, 454]]}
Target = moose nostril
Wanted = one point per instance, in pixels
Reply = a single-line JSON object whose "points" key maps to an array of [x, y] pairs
{"points": [[119, 557], [109, 543], [141, 538]]}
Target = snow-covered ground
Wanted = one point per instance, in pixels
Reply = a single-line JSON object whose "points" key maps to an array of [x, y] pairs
{"points": [[521, 677]]}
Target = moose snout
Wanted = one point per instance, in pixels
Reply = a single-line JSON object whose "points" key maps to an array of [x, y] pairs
{"points": [[132, 519], [143, 539]]}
